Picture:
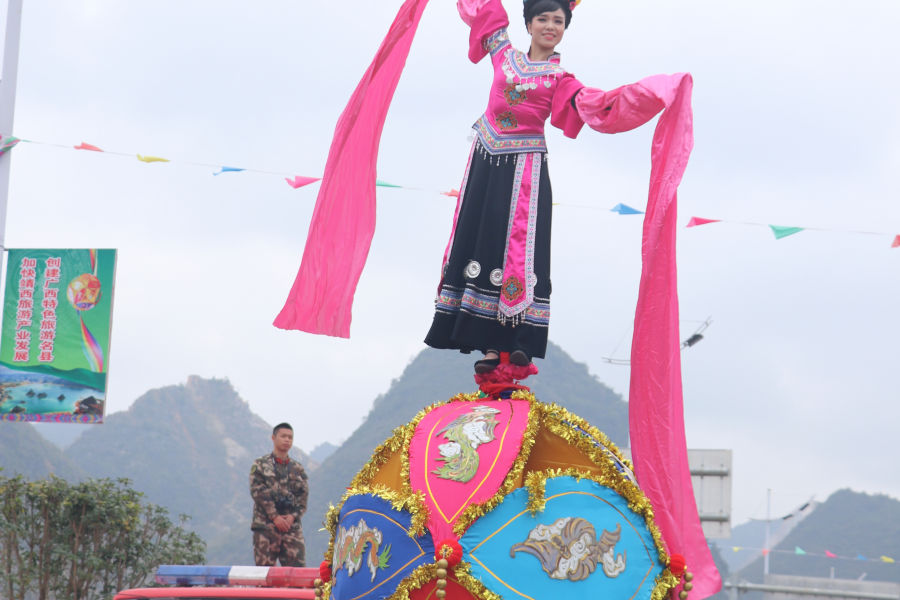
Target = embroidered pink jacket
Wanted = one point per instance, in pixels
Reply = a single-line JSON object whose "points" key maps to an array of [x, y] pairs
{"points": [[524, 93]]}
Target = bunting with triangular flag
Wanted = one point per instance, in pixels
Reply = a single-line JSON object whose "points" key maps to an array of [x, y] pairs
{"points": [[782, 232], [624, 209], [695, 221], [228, 170], [299, 181], [798, 551], [90, 147]]}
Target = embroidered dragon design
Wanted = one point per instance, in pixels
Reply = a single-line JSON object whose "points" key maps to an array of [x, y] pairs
{"points": [[464, 435], [350, 546], [569, 549]]}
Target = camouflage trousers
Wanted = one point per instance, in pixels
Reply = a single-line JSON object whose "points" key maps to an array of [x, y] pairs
{"points": [[288, 548]]}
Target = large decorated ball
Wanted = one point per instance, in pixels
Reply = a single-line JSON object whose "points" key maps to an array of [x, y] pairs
{"points": [[522, 499], [84, 292]]}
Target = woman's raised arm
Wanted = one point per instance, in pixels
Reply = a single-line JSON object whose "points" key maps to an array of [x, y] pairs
{"points": [[485, 17]]}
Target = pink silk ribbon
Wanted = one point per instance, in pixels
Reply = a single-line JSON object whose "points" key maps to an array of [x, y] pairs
{"points": [[656, 409], [343, 222]]}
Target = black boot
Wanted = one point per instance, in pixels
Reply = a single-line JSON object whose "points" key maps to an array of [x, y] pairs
{"points": [[519, 358], [486, 365]]}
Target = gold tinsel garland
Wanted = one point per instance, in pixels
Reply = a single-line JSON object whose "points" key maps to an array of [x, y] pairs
{"points": [[414, 581], [463, 572], [535, 483], [476, 511]]}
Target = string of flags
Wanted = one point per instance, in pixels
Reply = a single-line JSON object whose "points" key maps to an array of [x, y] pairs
{"points": [[7, 143], [798, 551], [782, 231], [295, 181]]}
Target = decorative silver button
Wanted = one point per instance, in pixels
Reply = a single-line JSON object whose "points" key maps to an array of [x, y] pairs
{"points": [[497, 277], [445, 269], [473, 270]]}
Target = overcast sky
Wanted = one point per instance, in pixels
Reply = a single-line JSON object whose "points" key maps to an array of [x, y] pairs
{"points": [[796, 124]]}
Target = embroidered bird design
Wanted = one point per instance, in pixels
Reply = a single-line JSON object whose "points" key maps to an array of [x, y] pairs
{"points": [[464, 435], [569, 549]]}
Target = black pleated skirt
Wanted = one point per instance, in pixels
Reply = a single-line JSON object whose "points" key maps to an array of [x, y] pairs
{"points": [[466, 315]]}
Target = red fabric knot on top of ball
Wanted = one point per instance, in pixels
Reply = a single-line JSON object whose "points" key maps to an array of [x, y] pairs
{"points": [[449, 550], [676, 565], [325, 571]]}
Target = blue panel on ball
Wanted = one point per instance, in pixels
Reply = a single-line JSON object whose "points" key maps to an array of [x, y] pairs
{"points": [[373, 552], [586, 543]]}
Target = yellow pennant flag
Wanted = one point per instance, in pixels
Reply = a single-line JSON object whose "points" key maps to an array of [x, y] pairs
{"points": [[737, 548], [150, 159], [887, 559]]}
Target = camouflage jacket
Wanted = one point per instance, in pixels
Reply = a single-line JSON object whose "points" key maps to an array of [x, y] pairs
{"points": [[269, 482]]}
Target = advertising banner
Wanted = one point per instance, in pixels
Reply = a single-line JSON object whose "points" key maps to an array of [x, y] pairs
{"points": [[54, 348]]}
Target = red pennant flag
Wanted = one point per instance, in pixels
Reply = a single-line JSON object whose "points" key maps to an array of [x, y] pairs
{"points": [[896, 243], [300, 181], [84, 146], [455, 194], [700, 221], [830, 555], [766, 552]]}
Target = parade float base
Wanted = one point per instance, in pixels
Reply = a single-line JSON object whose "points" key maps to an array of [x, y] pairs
{"points": [[522, 499]]}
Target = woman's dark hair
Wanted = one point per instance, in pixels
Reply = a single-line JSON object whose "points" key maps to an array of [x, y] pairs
{"points": [[534, 8]]}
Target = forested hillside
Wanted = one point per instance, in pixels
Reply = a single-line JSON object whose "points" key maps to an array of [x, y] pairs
{"points": [[24, 451]]}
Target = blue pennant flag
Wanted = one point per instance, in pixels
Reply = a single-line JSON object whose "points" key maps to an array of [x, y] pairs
{"points": [[624, 209], [860, 557], [226, 170]]}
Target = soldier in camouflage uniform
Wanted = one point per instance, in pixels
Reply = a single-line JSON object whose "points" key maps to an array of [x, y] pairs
{"points": [[278, 485]]}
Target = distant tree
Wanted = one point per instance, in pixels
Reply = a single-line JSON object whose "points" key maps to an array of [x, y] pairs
{"points": [[84, 541]]}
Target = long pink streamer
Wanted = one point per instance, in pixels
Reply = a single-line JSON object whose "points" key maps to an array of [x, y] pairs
{"points": [[343, 222], [656, 409]]}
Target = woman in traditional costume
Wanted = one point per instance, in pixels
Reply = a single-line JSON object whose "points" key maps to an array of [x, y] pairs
{"points": [[494, 294], [497, 264]]}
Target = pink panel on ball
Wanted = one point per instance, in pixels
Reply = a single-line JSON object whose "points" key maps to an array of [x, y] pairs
{"points": [[461, 453]]}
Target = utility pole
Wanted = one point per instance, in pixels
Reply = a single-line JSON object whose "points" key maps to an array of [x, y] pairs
{"points": [[8, 102], [768, 522]]}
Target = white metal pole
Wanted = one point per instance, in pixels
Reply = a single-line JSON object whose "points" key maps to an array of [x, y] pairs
{"points": [[8, 101], [768, 521]]}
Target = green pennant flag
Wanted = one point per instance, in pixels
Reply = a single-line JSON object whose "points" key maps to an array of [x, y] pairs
{"points": [[380, 183], [798, 550], [781, 232]]}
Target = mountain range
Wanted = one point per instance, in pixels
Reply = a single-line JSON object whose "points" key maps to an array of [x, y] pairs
{"points": [[189, 448]]}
